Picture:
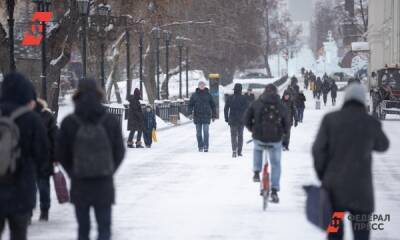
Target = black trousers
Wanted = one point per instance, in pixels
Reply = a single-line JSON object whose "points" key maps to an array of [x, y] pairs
{"points": [[18, 225], [286, 138], [43, 184], [138, 137], [103, 219], [237, 138], [147, 136]]}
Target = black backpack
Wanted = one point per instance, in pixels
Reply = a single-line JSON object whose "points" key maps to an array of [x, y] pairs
{"points": [[271, 120], [93, 155]]}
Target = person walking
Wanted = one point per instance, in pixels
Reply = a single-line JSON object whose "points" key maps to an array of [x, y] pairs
{"points": [[150, 124], [203, 109], [301, 105], [135, 119], [234, 111], [290, 104], [334, 89], [43, 181], [90, 148], [326, 88], [343, 160], [21, 131], [267, 120], [250, 96], [318, 87]]}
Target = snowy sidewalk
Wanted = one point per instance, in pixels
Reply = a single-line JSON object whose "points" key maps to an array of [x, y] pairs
{"points": [[174, 192]]}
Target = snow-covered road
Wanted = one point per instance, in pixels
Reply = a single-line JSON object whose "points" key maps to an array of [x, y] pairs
{"points": [[174, 192]]}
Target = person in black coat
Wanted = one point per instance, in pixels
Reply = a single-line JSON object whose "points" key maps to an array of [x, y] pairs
{"points": [[290, 104], [18, 189], [267, 120], [250, 96], [334, 90], [135, 119], [150, 125], [234, 110], [43, 182], [203, 109], [97, 192], [318, 87], [326, 88], [301, 105], [342, 154]]}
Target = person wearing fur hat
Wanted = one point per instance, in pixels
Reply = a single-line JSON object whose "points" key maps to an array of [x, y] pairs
{"points": [[203, 109], [43, 182], [342, 154], [135, 119], [234, 110], [17, 184]]}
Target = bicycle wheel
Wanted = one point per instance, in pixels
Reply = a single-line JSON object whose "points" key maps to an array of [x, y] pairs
{"points": [[265, 197]]}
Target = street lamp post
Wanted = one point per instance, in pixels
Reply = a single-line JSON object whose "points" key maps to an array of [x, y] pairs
{"points": [[141, 40], [180, 43], [103, 11], [83, 7], [187, 72], [167, 37], [157, 36], [43, 6], [10, 9]]}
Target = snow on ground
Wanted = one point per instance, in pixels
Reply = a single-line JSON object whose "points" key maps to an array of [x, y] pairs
{"points": [[174, 192]]}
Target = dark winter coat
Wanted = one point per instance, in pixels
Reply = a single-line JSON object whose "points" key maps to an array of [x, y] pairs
{"points": [[334, 89], [326, 87], [318, 86], [235, 108], [96, 191], [150, 122], [18, 190], [301, 101], [135, 116], [254, 123], [202, 106], [250, 98], [50, 124], [342, 156], [290, 105]]}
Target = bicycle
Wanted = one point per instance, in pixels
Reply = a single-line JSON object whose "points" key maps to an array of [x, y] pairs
{"points": [[265, 182]]}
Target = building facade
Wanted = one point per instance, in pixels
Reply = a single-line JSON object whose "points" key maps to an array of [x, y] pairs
{"points": [[384, 33]]}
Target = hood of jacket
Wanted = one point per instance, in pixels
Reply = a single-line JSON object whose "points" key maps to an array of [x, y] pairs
{"points": [[17, 89]]}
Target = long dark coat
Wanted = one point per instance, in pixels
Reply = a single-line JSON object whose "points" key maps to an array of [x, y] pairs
{"points": [[18, 190], [135, 116], [96, 191], [342, 156], [203, 107], [235, 108]]}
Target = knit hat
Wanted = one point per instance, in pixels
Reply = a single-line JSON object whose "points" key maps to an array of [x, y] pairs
{"points": [[271, 89], [238, 88], [18, 89], [202, 83], [355, 91]]}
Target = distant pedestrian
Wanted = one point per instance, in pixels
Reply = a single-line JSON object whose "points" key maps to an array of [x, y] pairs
{"points": [[235, 108], [21, 131], [135, 120], [343, 159], [334, 90], [90, 148], [267, 120], [250, 96], [290, 104], [43, 181], [301, 105], [150, 125], [203, 109], [326, 88], [318, 88]]}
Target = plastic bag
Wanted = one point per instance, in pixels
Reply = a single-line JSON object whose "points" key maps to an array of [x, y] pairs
{"points": [[154, 135], [60, 185]]}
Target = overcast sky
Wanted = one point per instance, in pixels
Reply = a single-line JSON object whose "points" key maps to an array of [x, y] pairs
{"points": [[301, 10]]}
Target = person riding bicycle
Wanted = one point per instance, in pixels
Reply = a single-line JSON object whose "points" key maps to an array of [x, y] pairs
{"points": [[267, 119]]}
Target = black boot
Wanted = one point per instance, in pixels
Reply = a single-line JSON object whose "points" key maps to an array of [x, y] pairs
{"points": [[139, 145], [274, 196], [256, 177], [130, 145], [44, 216], [234, 155]]}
